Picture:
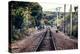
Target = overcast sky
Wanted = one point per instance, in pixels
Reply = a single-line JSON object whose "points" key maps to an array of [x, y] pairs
{"points": [[50, 6]]}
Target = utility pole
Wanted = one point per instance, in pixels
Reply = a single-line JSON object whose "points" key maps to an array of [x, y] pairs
{"points": [[70, 20], [57, 16], [64, 18], [59, 11]]}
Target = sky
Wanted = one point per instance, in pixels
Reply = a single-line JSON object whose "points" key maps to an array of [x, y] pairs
{"points": [[50, 6]]}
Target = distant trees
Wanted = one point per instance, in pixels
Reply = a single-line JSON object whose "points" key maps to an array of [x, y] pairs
{"points": [[37, 13]]}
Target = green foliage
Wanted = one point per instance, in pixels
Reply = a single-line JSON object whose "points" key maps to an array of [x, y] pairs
{"points": [[67, 24], [24, 15]]}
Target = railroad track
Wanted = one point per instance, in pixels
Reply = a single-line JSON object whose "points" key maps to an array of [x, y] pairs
{"points": [[42, 42], [46, 42]]}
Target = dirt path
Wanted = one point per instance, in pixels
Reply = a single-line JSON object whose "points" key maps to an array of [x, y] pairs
{"points": [[28, 43], [64, 42]]}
